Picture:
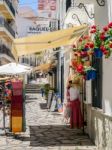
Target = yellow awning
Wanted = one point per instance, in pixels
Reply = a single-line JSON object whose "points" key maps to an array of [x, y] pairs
{"points": [[38, 43]]}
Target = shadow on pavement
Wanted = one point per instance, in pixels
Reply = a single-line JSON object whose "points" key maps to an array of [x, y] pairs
{"points": [[50, 135]]}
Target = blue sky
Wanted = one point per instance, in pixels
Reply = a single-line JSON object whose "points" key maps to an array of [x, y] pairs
{"points": [[32, 3]]}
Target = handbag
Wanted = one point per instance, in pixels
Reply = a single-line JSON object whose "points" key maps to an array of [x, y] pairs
{"points": [[67, 112]]}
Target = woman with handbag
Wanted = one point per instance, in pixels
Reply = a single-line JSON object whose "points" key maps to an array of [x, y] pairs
{"points": [[73, 96]]}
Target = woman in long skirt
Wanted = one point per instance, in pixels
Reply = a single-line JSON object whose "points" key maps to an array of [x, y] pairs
{"points": [[73, 95]]}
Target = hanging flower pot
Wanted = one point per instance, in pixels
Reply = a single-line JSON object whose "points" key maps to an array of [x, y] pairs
{"points": [[98, 53], [90, 75]]}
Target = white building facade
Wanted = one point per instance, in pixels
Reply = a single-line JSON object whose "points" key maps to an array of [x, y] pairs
{"points": [[98, 101]]}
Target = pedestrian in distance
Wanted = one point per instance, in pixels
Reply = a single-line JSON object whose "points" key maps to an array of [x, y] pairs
{"points": [[42, 91]]}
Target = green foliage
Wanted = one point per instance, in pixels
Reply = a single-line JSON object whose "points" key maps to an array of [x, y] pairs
{"points": [[46, 88]]}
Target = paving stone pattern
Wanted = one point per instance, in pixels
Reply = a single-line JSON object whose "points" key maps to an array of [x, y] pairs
{"points": [[45, 131]]}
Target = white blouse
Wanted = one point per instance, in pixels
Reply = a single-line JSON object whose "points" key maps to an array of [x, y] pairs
{"points": [[74, 93]]}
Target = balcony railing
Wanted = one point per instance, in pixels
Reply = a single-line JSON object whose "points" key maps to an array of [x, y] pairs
{"points": [[9, 4], [6, 51], [4, 23]]}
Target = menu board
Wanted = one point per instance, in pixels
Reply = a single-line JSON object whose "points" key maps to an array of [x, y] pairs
{"points": [[54, 103], [50, 96]]}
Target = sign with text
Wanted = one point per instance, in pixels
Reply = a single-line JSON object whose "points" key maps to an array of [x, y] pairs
{"points": [[47, 8], [40, 27], [53, 104], [50, 96], [37, 29]]}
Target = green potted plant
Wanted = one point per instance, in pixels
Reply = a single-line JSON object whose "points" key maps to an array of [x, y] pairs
{"points": [[46, 90]]}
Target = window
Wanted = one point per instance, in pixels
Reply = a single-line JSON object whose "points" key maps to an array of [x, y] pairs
{"points": [[68, 4], [97, 84]]}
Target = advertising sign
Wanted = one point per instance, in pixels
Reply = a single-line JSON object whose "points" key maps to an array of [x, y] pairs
{"points": [[40, 27], [47, 8]]}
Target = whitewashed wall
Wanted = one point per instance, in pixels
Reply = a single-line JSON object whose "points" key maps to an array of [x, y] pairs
{"points": [[107, 75], [22, 25], [103, 15]]}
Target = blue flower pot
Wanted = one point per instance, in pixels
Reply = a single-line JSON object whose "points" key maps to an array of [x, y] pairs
{"points": [[90, 75], [98, 53]]}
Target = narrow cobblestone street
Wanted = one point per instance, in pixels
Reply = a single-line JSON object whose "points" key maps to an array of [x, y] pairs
{"points": [[45, 131]]}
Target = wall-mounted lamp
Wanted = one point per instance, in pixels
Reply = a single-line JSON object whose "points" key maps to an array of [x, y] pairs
{"points": [[101, 2], [81, 5]]}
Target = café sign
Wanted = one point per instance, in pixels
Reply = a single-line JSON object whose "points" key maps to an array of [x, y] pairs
{"points": [[38, 29]]}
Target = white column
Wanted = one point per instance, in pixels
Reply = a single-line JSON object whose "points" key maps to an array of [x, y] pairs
{"points": [[109, 2]]}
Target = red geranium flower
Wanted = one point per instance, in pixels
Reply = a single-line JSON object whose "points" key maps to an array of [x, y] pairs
{"points": [[93, 31], [102, 36], [110, 45], [80, 68], [83, 53], [110, 25], [103, 48], [105, 28], [93, 27], [91, 45], [80, 40], [87, 45], [105, 52], [85, 37]]}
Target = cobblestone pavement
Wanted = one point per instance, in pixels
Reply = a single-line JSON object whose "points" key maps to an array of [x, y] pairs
{"points": [[45, 131]]}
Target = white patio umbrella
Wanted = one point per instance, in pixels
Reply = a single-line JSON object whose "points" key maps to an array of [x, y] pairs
{"points": [[13, 68]]}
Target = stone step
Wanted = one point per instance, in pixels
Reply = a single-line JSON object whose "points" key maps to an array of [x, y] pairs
{"points": [[32, 89], [31, 92]]}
